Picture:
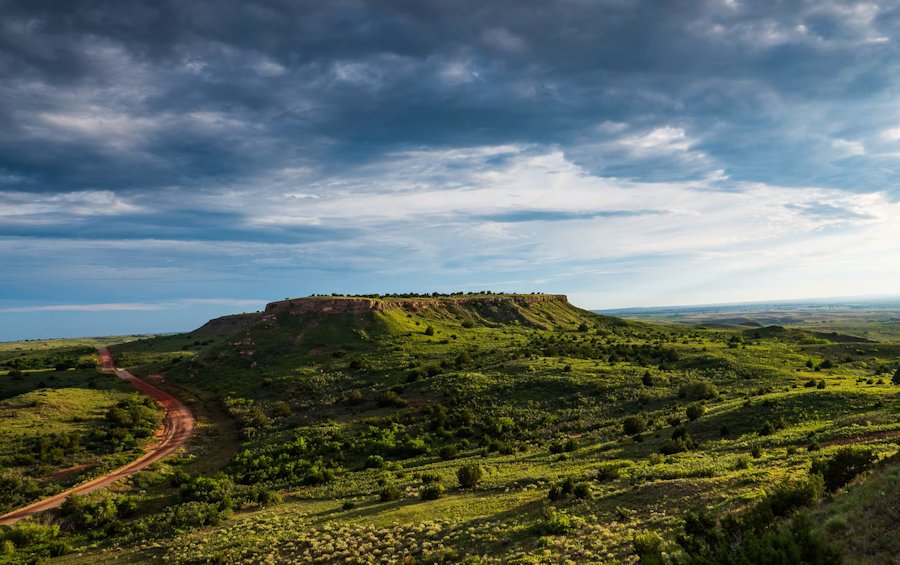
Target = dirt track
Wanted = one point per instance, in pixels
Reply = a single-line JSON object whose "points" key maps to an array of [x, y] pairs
{"points": [[175, 431]]}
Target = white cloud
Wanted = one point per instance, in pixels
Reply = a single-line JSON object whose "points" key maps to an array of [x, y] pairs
{"points": [[847, 148], [61, 207], [891, 134]]}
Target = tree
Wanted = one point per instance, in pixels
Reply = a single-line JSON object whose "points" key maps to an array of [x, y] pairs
{"points": [[429, 330], [896, 379]]}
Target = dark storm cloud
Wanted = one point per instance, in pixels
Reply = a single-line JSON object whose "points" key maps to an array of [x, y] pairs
{"points": [[134, 95]]}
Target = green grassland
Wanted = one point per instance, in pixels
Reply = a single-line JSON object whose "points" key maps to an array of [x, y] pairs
{"points": [[339, 436], [57, 427]]}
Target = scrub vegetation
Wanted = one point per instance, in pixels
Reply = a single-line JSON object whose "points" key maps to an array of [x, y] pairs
{"points": [[501, 428], [62, 426]]}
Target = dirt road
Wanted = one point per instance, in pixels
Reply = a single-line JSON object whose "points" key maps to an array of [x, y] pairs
{"points": [[175, 431]]}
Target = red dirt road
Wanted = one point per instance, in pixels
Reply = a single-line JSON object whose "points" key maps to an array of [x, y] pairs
{"points": [[175, 432]]}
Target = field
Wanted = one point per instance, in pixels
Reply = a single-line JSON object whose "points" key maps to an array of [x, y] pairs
{"points": [[493, 428], [57, 427]]}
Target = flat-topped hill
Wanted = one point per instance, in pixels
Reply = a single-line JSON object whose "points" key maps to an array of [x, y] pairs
{"points": [[535, 310]]}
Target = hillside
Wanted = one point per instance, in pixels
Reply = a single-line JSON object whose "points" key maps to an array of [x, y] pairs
{"points": [[495, 428]]}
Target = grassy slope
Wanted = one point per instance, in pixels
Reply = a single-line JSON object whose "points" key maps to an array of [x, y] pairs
{"points": [[533, 379], [865, 521], [51, 404]]}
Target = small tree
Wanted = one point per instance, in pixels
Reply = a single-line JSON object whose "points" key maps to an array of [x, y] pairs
{"points": [[694, 411], [469, 475], [896, 379], [634, 425], [429, 330]]}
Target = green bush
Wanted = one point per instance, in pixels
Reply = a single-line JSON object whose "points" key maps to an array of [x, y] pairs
{"points": [[469, 475], [633, 425], [698, 390], [555, 522], [706, 542], [390, 398], [27, 533], [213, 490], [390, 492], [432, 492], [694, 411], [648, 546], [843, 466], [374, 462], [608, 472], [582, 491], [680, 441]]}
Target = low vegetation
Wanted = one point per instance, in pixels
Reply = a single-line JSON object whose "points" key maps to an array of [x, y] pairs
{"points": [[493, 428]]}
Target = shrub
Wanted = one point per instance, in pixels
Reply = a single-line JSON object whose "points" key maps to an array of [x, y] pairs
{"points": [[736, 540], [469, 475], [896, 378], [468, 324], [432, 492], [463, 359], [790, 496], [555, 522], [648, 546], [391, 398], [389, 493], [608, 472], [374, 462], [694, 411], [192, 515], [648, 379], [698, 390], [821, 384], [562, 490], [633, 425], [28, 533], [582, 491], [680, 441], [448, 452], [429, 331], [213, 490], [429, 478], [843, 466]]}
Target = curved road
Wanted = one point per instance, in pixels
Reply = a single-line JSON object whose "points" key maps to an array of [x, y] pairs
{"points": [[175, 431]]}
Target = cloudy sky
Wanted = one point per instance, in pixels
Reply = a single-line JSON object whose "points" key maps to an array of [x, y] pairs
{"points": [[164, 162]]}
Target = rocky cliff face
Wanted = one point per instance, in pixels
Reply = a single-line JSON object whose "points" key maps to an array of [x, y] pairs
{"points": [[227, 325], [354, 305]]}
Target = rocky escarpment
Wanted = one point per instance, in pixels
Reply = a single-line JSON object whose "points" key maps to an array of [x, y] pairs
{"points": [[228, 325], [356, 305]]}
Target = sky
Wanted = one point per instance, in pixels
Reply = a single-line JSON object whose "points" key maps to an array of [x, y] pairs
{"points": [[162, 163]]}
